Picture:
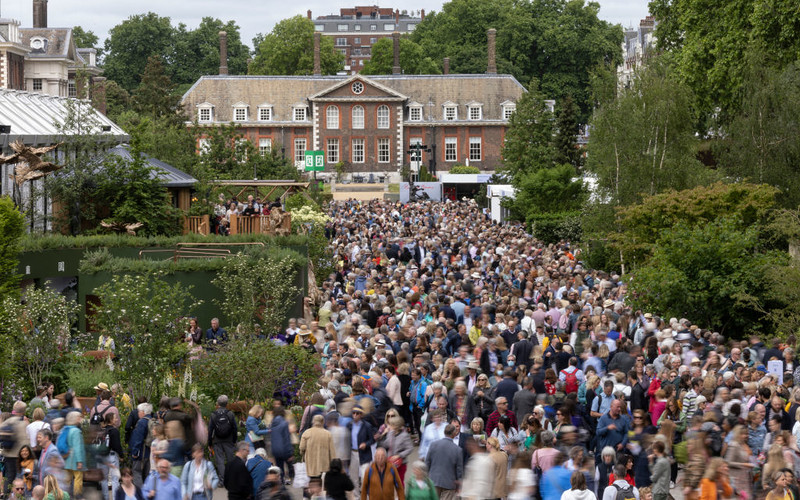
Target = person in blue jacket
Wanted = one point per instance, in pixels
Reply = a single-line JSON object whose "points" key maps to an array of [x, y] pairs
{"points": [[282, 447], [258, 467], [253, 427]]}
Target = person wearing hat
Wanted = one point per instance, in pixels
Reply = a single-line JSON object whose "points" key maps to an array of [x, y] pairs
{"points": [[362, 437], [104, 407], [304, 335], [98, 390]]}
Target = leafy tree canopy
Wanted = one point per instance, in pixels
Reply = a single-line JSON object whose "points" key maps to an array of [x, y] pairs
{"points": [[710, 39], [643, 141], [760, 142], [412, 59], [559, 42], [289, 50], [187, 54], [86, 39], [529, 140], [12, 227]]}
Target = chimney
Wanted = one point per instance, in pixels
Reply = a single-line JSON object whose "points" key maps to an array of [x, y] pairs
{"points": [[223, 53], [422, 15], [397, 16], [99, 93], [491, 67], [317, 64], [308, 13], [396, 40], [446, 65], [40, 13]]}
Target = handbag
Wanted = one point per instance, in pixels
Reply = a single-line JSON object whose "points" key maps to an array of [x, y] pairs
{"points": [[300, 476]]}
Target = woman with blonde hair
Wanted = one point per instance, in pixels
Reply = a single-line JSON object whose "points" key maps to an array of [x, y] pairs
{"points": [[52, 491], [255, 428], [398, 444], [775, 462]]}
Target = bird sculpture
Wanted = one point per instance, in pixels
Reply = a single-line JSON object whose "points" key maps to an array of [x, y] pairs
{"points": [[120, 227], [30, 164]]}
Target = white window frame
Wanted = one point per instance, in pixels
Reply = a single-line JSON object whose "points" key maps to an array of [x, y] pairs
{"points": [[411, 112], [265, 114], [203, 146], [508, 110], [388, 27], [201, 111], [384, 150], [373, 27], [265, 146], [319, 27], [450, 149], [357, 40], [357, 120], [357, 151], [332, 117], [475, 149], [446, 115], [332, 150], [356, 27], [37, 85], [410, 26], [373, 40], [475, 113], [384, 116], [300, 146], [342, 27], [240, 146], [300, 114], [72, 89], [341, 42], [236, 114]]}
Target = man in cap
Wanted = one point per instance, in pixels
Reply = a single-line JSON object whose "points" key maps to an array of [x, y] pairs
{"points": [[362, 437]]}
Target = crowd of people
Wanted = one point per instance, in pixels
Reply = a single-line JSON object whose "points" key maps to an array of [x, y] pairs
{"points": [[459, 357]]}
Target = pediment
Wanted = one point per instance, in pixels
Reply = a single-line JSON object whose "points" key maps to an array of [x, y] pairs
{"points": [[358, 87]]}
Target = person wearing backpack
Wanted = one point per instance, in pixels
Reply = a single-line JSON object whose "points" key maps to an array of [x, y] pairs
{"points": [[98, 413], [13, 437], [222, 433], [109, 451], [620, 489], [572, 376]]}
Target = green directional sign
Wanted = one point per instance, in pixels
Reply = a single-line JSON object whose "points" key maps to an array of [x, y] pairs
{"points": [[315, 161]]}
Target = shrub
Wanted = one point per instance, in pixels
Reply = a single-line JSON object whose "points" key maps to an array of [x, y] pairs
{"points": [[464, 169], [554, 227]]}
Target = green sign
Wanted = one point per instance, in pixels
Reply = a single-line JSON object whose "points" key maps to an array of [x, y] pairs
{"points": [[315, 161]]}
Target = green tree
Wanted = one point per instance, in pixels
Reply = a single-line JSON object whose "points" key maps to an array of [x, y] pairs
{"points": [[12, 227], [643, 141], [559, 42], [255, 369], [133, 193], [38, 329], [709, 41], [760, 142], [640, 226], [118, 100], [145, 315], [196, 52], [289, 50], [529, 140], [155, 96], [131, 43], [412, 59], [229, 155], [713, 273], [566, 139], [163, 138], [257, 290], [86, 40]]}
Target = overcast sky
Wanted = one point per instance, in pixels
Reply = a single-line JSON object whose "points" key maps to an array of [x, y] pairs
{"points": [[252, 16]]}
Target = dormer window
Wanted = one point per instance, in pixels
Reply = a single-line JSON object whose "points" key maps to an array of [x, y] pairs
{"points": [[475, 111], [265, 113], [508, 110], [299, 114], [205, 112], [240, 112], [450, 112], [415, 113], [39, 44]]}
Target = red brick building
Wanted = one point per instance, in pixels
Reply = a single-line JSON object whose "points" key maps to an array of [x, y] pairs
{"points": [[355, 30], [367, 122]]}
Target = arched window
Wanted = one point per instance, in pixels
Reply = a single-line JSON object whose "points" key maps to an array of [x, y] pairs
{"points": [[358, 117], [383, 116], [332, 115]]}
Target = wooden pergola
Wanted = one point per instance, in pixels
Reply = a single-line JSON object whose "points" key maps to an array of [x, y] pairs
{"points": [[263, 190]]}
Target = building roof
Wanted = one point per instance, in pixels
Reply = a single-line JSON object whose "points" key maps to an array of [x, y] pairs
{"points": [[33, 118], [169, 176], [58, 42], [283, 92]]}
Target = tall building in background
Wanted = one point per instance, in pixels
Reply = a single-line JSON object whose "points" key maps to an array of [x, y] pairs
{"points": [[638, 45], [355, 30]]}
